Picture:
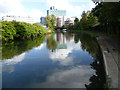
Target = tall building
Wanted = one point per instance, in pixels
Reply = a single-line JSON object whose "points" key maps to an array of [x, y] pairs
{"points": [[59, 14], [43, 20], [20, 19]]}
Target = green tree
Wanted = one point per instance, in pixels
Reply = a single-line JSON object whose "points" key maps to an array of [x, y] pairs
{"points": [[88, 20], [92, 20], [83, 21], [76, 21], [64, 27], [50, 21], [17, 30], [109, 16], [8, 31]]}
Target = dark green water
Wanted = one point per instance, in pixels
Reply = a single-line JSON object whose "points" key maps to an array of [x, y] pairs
{"points": [[61, 60]]}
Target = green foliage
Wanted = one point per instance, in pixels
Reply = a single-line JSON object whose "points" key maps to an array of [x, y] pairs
{"points": [[17, 30], [88, 20], [108, 14], [76, 21], [50, 21], [39, 29], [8, 30], [92, 20], [71, 27], [64, 27]]}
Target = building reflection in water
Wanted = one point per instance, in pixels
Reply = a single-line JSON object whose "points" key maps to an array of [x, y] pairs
{"points": [[62, 39]]}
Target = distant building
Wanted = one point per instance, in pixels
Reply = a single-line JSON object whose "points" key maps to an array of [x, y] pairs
{"points": [[43, 20], [59, 22], [56, 12], [20, 19], [59, 14], [69, 21]]}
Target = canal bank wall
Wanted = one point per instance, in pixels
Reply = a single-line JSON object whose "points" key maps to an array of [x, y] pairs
{"points": [[111, 54]]}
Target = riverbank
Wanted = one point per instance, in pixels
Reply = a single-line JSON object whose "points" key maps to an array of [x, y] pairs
{"points": [[111, 52]]}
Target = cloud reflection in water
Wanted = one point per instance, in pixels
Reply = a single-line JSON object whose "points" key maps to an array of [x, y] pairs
{"points": [[75, 77]]}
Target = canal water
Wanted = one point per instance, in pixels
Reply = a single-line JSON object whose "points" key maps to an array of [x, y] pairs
{"points": [[60, 60]]}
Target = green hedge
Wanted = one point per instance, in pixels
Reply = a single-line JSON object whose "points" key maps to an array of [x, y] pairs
{"points": [[20, 30]]}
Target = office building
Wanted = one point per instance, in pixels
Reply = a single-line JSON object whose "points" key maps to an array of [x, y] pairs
{"points": [[56, 12], [43, 20], [69, 20]]}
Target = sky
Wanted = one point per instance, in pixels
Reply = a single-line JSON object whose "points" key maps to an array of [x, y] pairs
{"points": [[38, 8]]}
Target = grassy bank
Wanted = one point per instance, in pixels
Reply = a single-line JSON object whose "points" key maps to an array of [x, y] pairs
{"points": [[20, 30]]}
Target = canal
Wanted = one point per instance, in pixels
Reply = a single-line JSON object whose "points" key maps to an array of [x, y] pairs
{"points": [[60, 60]]}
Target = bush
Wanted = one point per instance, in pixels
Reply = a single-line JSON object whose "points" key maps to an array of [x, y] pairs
{"points": [[17, 30], [8, 31]]}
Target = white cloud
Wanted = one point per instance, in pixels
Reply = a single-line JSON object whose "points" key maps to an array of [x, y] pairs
{"points": [[7, 6], [39, 47], [71, 9], [15, 8], [35, 13]]}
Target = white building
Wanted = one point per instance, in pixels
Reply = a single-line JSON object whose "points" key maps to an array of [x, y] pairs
{"points": [[20, 19]]}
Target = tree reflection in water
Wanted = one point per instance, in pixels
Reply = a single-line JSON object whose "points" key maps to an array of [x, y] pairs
{"points": [[90, 44], [9, 50], [51, 43]]}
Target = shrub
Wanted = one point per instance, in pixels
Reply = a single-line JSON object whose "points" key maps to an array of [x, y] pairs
{"points": [[13, 30]]}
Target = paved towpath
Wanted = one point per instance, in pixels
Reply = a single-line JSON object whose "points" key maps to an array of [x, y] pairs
{"points": [[111, 54]]}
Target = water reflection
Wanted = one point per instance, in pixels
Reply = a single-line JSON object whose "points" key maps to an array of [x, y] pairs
{"points": [[67, 78], [51, 43], [62, 60], [15, 59], [9, 50], [90, 44]]}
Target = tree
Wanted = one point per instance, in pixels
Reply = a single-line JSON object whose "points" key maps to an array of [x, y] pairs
{"points": [[92, 20], [88, 20], [20, 30], [64, 27], [76, 21], [50, 21], [8, 31], [108, 15], [83, 21]]}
